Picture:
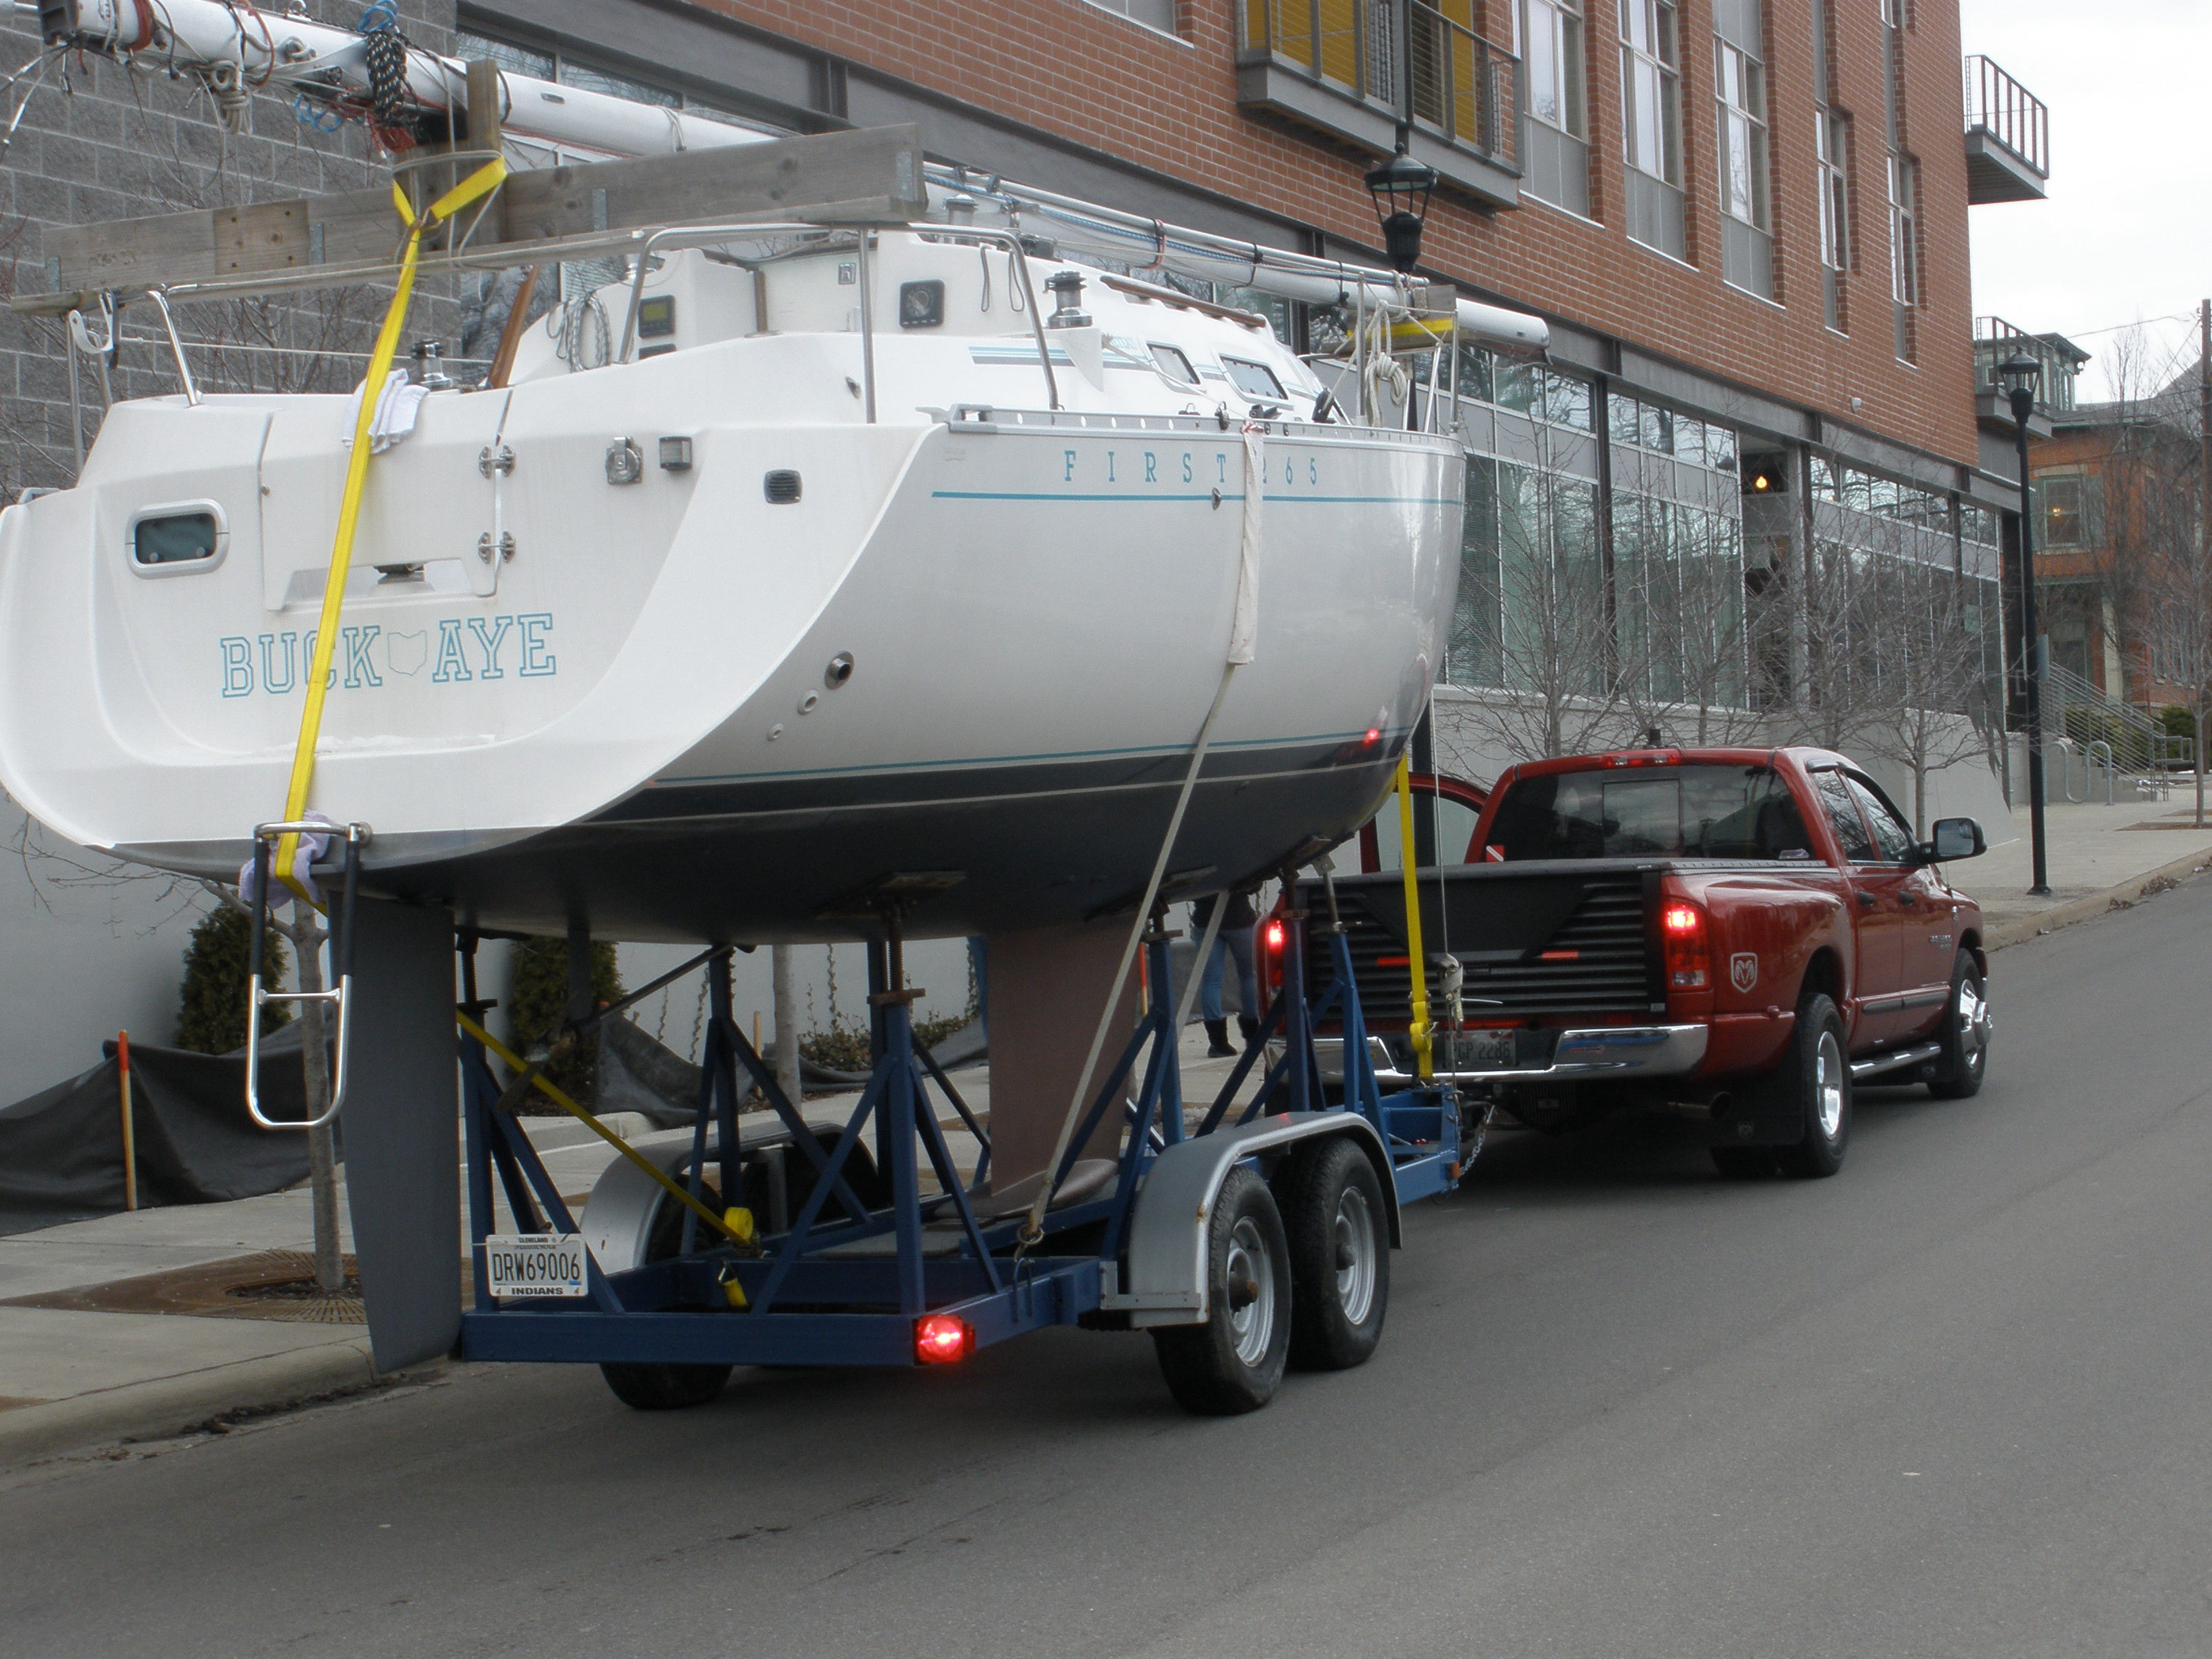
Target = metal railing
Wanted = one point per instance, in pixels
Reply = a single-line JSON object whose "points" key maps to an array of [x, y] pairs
{"points": [[1996, 339], [2008, 113], [2133, 738], [1464, 87]]}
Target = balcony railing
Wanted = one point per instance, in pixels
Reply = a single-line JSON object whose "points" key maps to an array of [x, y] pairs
{"points": [[2007, 137], [1996, 339], [1377, 55]]}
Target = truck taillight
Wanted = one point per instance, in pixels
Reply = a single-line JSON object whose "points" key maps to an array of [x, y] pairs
{"points": [[1689, 963]]}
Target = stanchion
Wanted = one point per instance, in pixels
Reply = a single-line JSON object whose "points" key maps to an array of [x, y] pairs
{"points": [[130, 1130]]}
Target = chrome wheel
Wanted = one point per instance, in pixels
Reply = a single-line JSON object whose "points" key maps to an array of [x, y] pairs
{"points": [[1355, 1255], [1973, 1018], [1251, 1292], [1828, 1085]]}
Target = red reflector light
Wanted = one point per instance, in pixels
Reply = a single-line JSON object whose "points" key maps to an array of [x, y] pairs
{"points": [[1688, 966], [941, 1339], [1394, 962], [1558, 956], [1274, 936], [1374, 734]]}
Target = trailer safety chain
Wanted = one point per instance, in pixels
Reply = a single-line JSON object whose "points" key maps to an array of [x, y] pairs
{"points": [[738, 1233], [482, 182]]}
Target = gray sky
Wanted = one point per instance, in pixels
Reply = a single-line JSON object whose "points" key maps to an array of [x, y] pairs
{"points": [[2125, 235]]}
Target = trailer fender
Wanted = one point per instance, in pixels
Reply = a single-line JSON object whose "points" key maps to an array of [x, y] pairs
{"points": [[1166, 1281], [617, 1218]]}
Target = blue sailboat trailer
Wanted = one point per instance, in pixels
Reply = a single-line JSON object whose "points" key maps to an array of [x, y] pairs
{"points": [[1258, 1238]]}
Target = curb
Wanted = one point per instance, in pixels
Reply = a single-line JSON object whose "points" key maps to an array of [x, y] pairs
{"points": [[2018, 930], [169, 1405]]}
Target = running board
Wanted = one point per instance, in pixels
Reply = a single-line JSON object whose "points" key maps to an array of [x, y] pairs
{"points": [[1876, 1065]]}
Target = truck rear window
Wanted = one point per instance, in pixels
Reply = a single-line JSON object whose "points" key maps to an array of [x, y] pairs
{"points": [[1679, 811]]}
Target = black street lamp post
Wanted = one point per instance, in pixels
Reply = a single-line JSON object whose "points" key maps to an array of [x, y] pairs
{"points": [[2020, 373]]}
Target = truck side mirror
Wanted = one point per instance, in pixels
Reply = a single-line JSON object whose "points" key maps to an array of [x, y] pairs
{"points": [[1956, 838]]}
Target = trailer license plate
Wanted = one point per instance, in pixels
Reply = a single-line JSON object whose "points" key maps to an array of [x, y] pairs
{"points": [[534, 1264]]}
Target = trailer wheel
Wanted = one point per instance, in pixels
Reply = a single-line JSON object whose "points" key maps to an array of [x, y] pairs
{"points": [[1340, 1257], [665, 1387], [1232, 1363], [1965, 1034]]}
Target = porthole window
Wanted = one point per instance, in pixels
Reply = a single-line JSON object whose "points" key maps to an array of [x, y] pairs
{"points": [[1174, 364], [1253, 379], [168, 541]]}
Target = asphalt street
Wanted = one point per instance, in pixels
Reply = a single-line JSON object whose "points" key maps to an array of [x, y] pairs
{"points": [[1957, 1401]]}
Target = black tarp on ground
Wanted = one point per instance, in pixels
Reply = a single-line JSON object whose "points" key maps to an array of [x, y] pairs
{"points": [[61, 1150]]}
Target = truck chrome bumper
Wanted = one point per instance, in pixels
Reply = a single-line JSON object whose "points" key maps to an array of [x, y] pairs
{"points": [[1604, 1053]]}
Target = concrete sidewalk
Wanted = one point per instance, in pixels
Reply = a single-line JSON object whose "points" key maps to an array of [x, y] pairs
{"points": [[2094, 856], [73, 1377]]}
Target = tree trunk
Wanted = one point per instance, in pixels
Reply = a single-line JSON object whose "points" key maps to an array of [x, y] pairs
{"points": [[322, 1162]]}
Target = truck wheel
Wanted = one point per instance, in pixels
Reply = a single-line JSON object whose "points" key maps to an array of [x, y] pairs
{"points": [[1813, 1086], [1339, 1258], [1233, 1362], [1965, 1034], [665, 1387]]}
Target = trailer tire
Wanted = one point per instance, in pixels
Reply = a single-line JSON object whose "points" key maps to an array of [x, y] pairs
{"points": [[650, 1387], [1233, 1362], [1339, 1256], [1965, 1034]]}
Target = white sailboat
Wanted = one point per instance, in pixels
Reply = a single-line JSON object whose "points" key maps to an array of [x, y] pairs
{"points": [[911, 548]]}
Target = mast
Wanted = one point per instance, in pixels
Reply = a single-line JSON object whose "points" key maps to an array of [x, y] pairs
{"points": [[238, 50]]}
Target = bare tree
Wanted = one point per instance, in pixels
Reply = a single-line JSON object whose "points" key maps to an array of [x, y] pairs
{"points": [[1562, 667], [1931, 712]]}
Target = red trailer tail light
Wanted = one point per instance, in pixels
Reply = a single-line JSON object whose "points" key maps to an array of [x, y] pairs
{"points": [[941, 1339], [1272, 935], [1689, 962]]}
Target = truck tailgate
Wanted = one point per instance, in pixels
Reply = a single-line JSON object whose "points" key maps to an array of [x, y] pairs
{"points": [[1571, 937]]}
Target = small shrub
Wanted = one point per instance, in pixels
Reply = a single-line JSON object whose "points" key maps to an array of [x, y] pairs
{"points": [[211, 1005], [537, 997], [845, 1048]]}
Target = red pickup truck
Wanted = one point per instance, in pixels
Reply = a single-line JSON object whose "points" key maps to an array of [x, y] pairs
{"points": [[1748, 930]]}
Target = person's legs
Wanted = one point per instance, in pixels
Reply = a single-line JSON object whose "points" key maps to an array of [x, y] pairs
{"points": [[1239, 942], [1209, 1002]]}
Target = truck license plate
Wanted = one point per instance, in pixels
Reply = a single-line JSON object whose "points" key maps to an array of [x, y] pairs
{"points": [[1486, 1051], [534, 1264]]}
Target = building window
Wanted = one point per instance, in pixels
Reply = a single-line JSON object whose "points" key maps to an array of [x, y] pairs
{"points": [[1556, 148], [1833, 138], [1739, 94], [2069, 509], [1152, 13], [1651, 123], [1904, 248]]}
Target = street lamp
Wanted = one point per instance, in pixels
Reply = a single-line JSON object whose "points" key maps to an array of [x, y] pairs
{"points": [[1401, 187], [2020, 373]]}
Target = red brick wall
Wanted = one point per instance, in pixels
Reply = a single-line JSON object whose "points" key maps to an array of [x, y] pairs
{"points": [[1068, 68]]}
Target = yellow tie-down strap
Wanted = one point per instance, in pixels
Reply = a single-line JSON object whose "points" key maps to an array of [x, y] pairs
{"points": [[737, 1228], [483, 180]]}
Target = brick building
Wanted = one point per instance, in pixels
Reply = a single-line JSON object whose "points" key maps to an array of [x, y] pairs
{"points": [[1745, 221]]}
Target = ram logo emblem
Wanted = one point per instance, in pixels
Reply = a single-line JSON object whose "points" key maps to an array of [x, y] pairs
{"points": [[1743, 970]]}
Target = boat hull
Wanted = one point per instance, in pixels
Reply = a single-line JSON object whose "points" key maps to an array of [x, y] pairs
{"points": [[1033, 617]]}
